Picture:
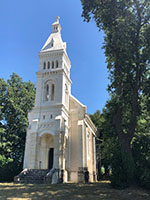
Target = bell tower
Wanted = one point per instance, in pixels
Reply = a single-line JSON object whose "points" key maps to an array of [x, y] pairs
{"points": [[49, 119], [53, 77]]}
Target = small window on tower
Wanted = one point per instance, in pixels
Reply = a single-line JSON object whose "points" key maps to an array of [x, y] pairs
{"points": [[52, 43], [48, 65], [53, 64], [52, 92], [44, 66], [47, 92], [56, 63]]}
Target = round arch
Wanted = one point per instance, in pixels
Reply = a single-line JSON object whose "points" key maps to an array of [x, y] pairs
{"points": [[46, 151], [47, 132]]}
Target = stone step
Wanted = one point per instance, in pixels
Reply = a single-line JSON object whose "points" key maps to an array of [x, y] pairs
{"points": [[31, 176]]}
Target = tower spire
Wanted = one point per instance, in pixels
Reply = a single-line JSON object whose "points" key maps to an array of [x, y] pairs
{"points": [[56, 26], [54, 42]]}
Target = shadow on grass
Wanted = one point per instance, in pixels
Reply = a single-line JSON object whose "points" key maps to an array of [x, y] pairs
{"points": [[95, 191]]}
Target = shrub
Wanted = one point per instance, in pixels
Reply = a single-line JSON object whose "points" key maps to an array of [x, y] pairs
{"points": [[141, 153], [122, 169], [8, 169]]}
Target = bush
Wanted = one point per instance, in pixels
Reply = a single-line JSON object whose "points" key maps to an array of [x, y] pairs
{"points": [[141, 153], [122, 169], [8, 169]]}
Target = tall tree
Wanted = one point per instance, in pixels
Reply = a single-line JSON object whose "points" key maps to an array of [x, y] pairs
{"points": [[3, 86], [126, 24], [16, 101]]}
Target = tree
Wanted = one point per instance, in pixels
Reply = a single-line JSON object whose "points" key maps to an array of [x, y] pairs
{"points": [[126, 24], [109, 154], [141, 146], [2, 97], [16, 100]]}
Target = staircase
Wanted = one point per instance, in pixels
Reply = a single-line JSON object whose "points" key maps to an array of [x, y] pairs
{"points": [[36, 176]]}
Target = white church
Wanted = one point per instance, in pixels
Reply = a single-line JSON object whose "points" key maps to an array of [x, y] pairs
{"points": [[60, 135]]}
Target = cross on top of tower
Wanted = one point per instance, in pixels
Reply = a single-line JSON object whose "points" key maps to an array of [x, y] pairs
{"points": [[57, 19]]}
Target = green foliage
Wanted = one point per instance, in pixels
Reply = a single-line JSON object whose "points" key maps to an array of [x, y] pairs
{"points": [[141, 153], [98, 119], [8, 169], [122, 168], [141, 146], [17, 98], [102, 170], [126, 25]]}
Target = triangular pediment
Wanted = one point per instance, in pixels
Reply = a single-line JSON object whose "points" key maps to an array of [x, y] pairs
{"points": [[49, 45], [54, 42]]}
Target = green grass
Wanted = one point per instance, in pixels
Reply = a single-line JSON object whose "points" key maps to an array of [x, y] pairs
{"points": [[95, 191]]}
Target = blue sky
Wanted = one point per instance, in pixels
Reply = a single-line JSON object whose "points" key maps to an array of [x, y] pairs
{"points": [[26, 25]]}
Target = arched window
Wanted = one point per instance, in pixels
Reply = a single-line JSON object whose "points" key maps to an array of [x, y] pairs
{"points": [[44, 66], [56, 63], [52, 92], [52, 43], [48, 65], [47, 92], [52, 64]]}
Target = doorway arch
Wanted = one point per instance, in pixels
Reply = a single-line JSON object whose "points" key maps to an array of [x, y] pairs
{"points": [[46, 151]]}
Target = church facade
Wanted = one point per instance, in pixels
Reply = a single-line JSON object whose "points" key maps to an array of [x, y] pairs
{"points": [[60, 135]]}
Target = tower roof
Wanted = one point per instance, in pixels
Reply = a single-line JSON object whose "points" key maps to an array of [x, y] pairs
{"points": [[54, 42]]}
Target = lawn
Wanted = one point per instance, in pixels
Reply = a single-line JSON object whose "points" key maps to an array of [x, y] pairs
{"points": [[95, 191]]}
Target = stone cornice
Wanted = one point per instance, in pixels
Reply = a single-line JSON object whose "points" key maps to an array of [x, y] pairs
{"points": [[47, 107], [51, 53], [64, 109], [89, 121], [54, 71], [67, 77], [67, 58]]}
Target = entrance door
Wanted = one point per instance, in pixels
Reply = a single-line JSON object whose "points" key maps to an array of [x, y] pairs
{"points": [[50, 158]]}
